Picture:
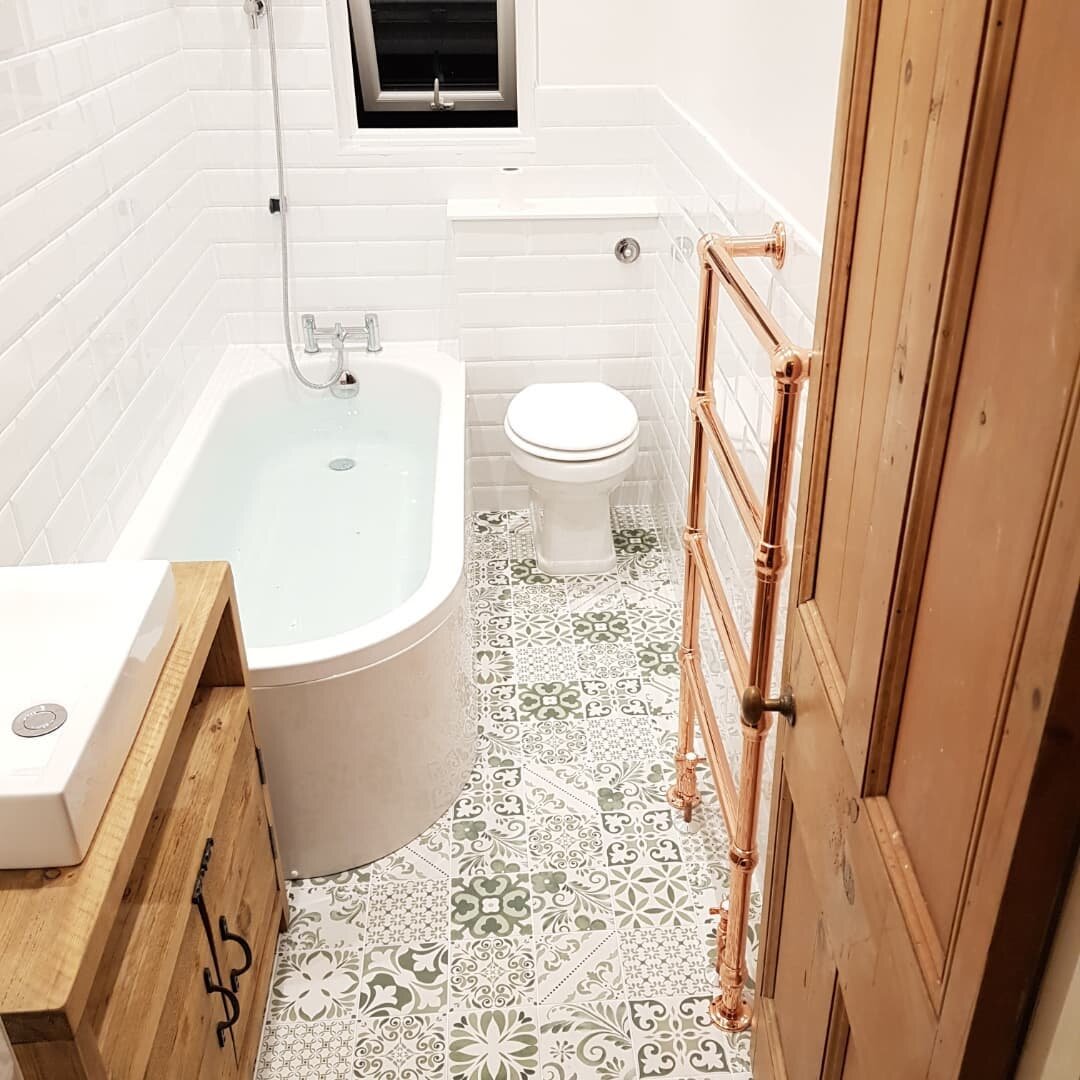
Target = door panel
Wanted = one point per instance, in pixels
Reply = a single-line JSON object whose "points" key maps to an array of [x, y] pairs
{"points": [[805, 971], [933, 574]]}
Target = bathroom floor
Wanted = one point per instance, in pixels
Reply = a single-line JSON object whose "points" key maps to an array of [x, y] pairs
{"points": [[554, 923]]}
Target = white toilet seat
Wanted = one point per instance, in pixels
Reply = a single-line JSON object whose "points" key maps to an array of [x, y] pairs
{"points": [[548, 454], [571, 421]]}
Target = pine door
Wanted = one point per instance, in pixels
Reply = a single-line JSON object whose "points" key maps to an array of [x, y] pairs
{"points": [[925, 806]]}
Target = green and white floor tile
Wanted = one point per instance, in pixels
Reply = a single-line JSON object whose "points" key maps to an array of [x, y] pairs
{"points": [[553, 924]]}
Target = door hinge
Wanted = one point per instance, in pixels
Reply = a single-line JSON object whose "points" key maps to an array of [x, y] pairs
{"points": [[273, 840], [262, 767]]}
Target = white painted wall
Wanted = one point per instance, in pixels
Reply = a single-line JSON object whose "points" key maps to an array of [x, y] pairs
{"points": [[596, 42], [761, 79]]}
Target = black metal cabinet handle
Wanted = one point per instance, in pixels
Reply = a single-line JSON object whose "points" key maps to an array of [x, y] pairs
{"points": [[235, 973], [231, 1003]]}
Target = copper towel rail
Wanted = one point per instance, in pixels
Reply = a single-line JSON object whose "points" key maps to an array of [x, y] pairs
{"points": [[751, 670]]}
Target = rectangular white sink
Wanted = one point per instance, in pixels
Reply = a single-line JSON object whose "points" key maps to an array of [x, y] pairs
{"points": [[87, 641]]}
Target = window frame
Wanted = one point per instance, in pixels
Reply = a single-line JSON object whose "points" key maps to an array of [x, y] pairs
{"points": [[377, 100]]}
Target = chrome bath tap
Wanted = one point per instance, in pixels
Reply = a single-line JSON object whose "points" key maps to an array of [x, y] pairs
{"points": [[346, 385], [313, 333]]}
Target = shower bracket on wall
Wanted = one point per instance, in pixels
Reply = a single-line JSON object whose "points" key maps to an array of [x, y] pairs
{"points": [[254, 10]]}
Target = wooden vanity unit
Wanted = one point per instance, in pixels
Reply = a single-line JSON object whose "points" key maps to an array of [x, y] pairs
{"points": [[152, 958]]}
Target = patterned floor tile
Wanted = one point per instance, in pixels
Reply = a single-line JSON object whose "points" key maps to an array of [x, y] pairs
{"points": [[400, 1047], [554, 742], [673, 1037], [408, 911], [493, 666], [586, 1041], [315, 984], [494, 1044], [492, 972], [631, 787], [526, 572], [640, 838], [553, 923], [550, 701], [578, 967], [559, 789], [547, 599], [610, 697], [664, 963], [493, 631], [484, 845], [622, 738], [566, 901], [496, 703], [607, 660], [653, 895], [659, 656], [399, 979], [565, 841], [489, 573], [495, 905], [329, 912], [297, 1051], [547, 663], [543, 629], [499, 738], [600, 627], [587, 594]]}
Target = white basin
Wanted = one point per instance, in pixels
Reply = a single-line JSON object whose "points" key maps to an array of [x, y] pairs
{"points": [[90, 638]]}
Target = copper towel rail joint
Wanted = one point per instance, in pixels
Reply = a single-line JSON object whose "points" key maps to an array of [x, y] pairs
{"points": [[750, 669]]}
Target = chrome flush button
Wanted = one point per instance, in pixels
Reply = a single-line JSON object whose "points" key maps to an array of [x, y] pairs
{"points": [[39, 720]]}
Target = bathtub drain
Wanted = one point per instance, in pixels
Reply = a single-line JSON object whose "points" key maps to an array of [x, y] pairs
{"points": [[342, 464]]}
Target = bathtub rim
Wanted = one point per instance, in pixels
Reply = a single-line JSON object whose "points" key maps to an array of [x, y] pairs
{"points": [[427, 606]]}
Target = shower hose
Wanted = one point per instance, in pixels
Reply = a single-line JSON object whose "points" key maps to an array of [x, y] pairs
{"points": [[283, 217]]}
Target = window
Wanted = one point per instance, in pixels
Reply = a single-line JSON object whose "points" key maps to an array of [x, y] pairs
{"points": [[434, 63]]}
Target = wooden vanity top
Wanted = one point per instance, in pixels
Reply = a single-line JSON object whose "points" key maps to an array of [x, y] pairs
{"points": [[55, 923]]}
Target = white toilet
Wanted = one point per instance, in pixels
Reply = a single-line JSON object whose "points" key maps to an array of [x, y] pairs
{"points": [[575, 442]]}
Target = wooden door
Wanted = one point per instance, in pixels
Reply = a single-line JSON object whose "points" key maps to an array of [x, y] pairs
{"points": [[924, 807]]}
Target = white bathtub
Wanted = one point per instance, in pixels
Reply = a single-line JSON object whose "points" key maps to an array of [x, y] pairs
{"points": [[350, 586]]}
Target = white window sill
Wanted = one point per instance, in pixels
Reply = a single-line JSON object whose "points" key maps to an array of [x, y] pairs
{"points": [[591, 207]]}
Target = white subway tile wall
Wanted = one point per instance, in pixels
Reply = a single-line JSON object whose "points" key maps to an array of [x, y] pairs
{"points": [[107, 280], [139, 157]]}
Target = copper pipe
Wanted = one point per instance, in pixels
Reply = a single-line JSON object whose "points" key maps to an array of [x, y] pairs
{"points": [[731, 467], [730, 1009], [765, 521], [710, 732], [684, 795], [723, 619]]}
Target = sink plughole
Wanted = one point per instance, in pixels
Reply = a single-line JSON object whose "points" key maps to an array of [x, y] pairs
{"points": [[81, 649]]}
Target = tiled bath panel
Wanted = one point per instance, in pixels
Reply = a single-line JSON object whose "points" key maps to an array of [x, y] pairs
{"points": [[554, 923]]}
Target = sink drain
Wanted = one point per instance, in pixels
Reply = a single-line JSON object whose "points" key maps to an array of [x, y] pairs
{"points": [[39, 720], [342, 464]]}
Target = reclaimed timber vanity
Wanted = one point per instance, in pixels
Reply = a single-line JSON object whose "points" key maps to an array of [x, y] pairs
{"points": [[152, 958]]}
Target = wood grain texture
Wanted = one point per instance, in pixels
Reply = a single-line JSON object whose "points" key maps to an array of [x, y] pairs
{"points": [[54, 924], [933, 760], [129, 994]]}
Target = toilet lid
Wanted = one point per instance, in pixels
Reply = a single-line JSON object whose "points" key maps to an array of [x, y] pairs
{"points": [[572, 417]]}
